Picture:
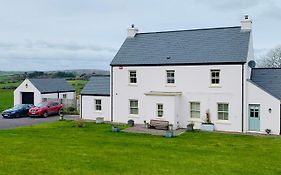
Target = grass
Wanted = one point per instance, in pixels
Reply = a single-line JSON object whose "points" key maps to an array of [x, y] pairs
{"points": [[60, 148], [6, 99]]}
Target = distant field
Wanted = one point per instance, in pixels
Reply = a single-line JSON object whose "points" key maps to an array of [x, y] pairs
{"points": [[78, 85], [6, 99]]}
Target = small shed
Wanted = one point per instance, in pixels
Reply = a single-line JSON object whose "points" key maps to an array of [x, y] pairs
{"points": [[95, 99], [34, 91]]}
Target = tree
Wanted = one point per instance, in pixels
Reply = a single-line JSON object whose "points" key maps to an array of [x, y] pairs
{"points": [[272, 59]]}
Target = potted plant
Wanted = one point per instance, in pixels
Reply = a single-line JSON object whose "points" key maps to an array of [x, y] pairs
{"points": [[99, 120], [169, 133], [190, 126], [208, 125], [115, 128]]}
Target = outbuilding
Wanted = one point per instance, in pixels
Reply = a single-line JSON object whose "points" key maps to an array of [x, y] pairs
{"points": [[95, 99], [34, 91]]}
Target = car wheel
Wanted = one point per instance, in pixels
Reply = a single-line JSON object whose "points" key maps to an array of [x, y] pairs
{"points": [[45, 114], [18, 116]]}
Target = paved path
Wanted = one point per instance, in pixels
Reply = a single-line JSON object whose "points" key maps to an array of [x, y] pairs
{"points": [[17, 122], [139, 128]]}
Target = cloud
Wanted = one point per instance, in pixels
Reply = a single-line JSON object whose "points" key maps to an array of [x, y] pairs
{"points": [[231, 5], [43, 55]]}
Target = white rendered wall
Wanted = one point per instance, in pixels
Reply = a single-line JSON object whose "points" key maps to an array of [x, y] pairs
{"points": [[194, 83], [268, 120], [69, 95], [30, 88], [88, 107]]}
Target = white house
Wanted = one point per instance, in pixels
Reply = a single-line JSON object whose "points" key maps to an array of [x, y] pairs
{"points": [[34, 91], [178, 76], [95, 98]]}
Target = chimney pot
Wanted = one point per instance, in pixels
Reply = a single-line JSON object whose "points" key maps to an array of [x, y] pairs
{"points": [[132, 31], [246, 23]]}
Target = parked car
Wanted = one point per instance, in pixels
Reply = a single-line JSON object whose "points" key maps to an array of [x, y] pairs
{"points": [[44, 109], [20, 110]]}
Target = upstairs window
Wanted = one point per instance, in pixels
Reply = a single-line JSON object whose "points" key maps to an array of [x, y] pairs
{"points": [[98, 104], [160, 111], [133, 77], [134, 107], [64, 95], [215, 77], [170, 76]]}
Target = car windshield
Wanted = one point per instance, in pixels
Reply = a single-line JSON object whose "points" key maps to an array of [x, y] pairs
{"points": [[43, 104], [18, 106]]}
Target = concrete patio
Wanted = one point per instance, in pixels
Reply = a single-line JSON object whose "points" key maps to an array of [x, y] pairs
{"points": [[139, 128]]}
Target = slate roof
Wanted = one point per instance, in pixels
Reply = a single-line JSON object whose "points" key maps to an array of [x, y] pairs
{"points": [[198, 46], [97, 85], [52, 85], [268, 79]]}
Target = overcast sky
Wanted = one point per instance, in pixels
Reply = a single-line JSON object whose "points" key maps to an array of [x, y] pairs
{"points": [[82, 34]]}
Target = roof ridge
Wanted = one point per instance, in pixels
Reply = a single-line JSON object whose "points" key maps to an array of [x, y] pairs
{"points": [[185, 30]]}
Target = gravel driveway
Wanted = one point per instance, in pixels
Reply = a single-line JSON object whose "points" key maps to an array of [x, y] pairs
{"points": [[12, 123]]}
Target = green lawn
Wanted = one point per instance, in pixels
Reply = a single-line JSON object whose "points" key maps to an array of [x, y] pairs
{"points": [[60, 148], [6, 99]]}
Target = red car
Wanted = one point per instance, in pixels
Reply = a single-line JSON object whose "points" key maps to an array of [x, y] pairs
{"points": [[45, 109]]}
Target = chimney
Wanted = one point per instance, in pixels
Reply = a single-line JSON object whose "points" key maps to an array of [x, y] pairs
{"points": [[132, 31], [246, 23]]}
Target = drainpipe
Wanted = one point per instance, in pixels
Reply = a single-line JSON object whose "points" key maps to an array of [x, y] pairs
{"points": [[242, 124], [81, 101], [111, 93]]}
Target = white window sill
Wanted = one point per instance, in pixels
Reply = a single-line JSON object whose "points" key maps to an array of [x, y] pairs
{"points": [[98, 112], [133, 84], [170, 85], [198, 120], [133, 116], [226, 122], [215, 86]]}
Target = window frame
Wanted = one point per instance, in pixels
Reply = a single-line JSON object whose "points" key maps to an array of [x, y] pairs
{"points": [[133, 78], [172, 78], [131, 108], [215, 78], [98, 105], [160, 110], [64, 96], [224, 112], [195, 110]]}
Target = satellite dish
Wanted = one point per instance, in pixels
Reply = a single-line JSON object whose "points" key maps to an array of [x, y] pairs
{"points": [[252, 64]]}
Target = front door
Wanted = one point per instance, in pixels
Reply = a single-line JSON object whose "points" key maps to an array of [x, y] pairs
{"points": [[254, 117]]}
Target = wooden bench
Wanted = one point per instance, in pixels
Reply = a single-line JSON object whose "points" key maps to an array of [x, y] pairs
{"points": [[159, 124]]}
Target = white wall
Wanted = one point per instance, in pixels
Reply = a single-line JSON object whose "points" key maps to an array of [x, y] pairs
{"points": [[69, 95], [192, 81], [268, 120], [88, 107], [30, 88]]}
